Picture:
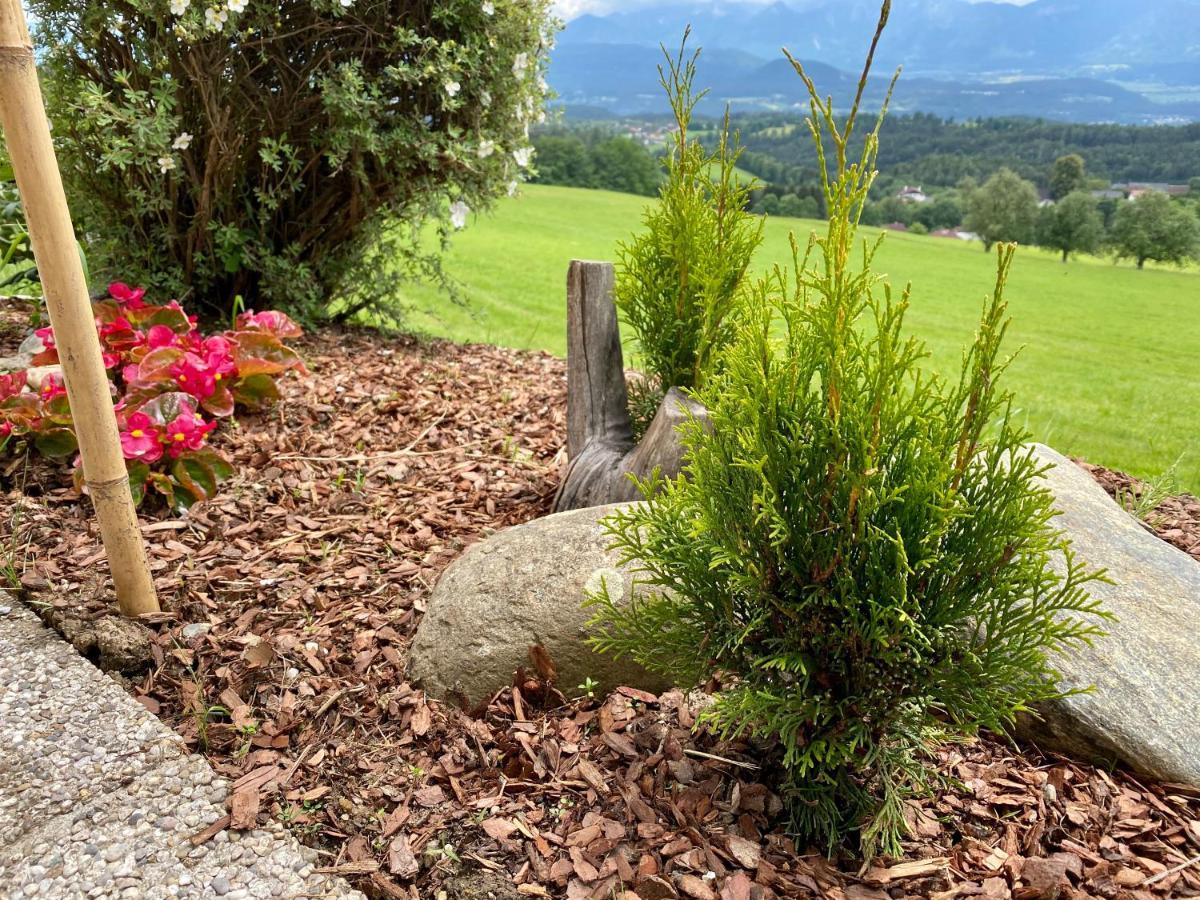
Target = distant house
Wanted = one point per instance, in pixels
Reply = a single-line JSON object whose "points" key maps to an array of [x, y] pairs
{"points": [[1044, 202], [945, 233], [896, 226], [909, 194], [1109, 194], [1134, 189]]}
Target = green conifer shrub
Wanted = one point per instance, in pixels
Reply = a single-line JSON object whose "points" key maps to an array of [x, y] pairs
{"points": [[860, 549], [679, 282]]}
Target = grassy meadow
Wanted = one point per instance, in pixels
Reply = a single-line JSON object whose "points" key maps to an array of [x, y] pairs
{"points": [[1109, 362]]}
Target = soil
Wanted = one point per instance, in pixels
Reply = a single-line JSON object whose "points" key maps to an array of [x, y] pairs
{"points": [[281, 655]]}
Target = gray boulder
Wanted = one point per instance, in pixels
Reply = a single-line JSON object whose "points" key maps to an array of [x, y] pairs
{"points": [[1145, 706], [522, 587]]}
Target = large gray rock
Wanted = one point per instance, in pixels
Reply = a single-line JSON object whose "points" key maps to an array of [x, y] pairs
{"points": [[522, 587], [1145, 708]]}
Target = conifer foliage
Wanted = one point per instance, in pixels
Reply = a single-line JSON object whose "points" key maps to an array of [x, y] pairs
{"points": [[861, 550], [680, 281]]}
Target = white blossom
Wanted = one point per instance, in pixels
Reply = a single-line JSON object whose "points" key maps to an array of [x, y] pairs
{"points": [[452, 88], [523, 156], [520, 63], [346, 4], [513, 187], [486, 98], [182, 142], [488, 7], [237, 6], [165, 164], [486, 149], [458, 213], [215, 18], [179, 7]]}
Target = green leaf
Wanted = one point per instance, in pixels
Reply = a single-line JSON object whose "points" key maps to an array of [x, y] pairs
{"points": [[220, 404], [163, 484], [139, 475], [256, 391], [260, 353], [56, 442], [201, 472]]}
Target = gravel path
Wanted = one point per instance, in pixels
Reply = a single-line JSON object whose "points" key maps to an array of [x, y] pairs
{"points": [[98, 799]]}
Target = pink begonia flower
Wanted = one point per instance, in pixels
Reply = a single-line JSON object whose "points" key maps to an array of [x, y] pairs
{"points": [[218, 356], [128, 297], [52, 387], [276, 323], [160, 336], [187, 432], [194, 377], [46, 336], [140, 439]]}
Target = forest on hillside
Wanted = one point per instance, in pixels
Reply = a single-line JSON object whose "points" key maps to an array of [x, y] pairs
{"points": [[934, 152]]}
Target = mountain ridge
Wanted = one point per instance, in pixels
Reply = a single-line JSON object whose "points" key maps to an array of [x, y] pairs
{"points": [[1076, 60]]}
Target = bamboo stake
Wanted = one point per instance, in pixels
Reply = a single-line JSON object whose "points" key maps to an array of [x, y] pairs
{"points": [[27, 131]]}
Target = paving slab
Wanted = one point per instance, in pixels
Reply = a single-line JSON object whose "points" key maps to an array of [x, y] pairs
{"points": [[99, 799]]}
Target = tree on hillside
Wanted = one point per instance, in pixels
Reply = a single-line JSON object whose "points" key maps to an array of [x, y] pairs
{"points": [[1152, 227], [622, 164], [943, 211], [796, 207], [1073, 225], [767, 205], [1067, 175], [1004, 208], [563, 159]]}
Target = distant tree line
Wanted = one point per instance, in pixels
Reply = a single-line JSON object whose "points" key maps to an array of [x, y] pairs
{"points": [[934, 152], [1053, 205], [1150, 226], [596, 157]]}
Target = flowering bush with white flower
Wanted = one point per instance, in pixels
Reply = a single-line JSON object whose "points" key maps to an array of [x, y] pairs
{"points": [[291, 154]]}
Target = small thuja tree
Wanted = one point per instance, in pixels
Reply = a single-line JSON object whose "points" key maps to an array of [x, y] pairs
{"points": [[863, 550], [679, 282], [287, 152]]}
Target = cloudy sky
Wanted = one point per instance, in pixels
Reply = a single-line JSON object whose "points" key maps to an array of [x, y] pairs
{"points": [[568, 9]]}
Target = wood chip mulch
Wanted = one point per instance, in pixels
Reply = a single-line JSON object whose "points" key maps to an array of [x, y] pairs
{"points": [[1175, 519], [290, 601]]}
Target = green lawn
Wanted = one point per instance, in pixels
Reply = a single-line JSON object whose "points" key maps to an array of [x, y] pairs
{"points": [[1110, 362]]}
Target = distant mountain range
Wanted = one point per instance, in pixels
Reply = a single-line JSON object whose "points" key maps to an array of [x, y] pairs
{"points": [[1074, 60]]}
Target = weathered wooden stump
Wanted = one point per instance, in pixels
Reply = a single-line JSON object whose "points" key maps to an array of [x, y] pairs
{"points": [[601, 451]]}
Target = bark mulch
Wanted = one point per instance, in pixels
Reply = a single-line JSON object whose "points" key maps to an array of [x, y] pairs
{"points": [[290, 601]]}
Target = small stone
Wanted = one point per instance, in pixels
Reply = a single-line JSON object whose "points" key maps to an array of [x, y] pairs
{"points": [[221, 886], [195, 630]]}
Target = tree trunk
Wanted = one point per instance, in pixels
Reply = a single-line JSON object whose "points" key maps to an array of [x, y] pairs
{"points": [[601, 452]]}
